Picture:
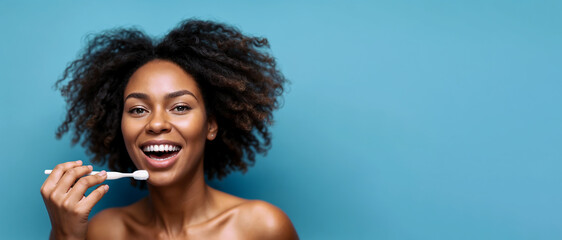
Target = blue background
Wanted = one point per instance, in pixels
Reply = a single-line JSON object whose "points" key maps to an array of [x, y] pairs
{"points": [[404, 119]]}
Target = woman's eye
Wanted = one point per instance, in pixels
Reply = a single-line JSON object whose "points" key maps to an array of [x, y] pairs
{"points": [[182, 108], [137, 111]]}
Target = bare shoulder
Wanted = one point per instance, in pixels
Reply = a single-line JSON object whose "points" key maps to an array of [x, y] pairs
{"points": [[265, 221], [107, 224]]}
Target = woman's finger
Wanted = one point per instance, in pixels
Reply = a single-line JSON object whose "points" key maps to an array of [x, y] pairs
{"points": [[79, 189], [53, 178], [69, 178], [94, 197]]}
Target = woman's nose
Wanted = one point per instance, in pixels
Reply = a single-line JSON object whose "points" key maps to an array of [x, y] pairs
{"points": [[158, 122]]}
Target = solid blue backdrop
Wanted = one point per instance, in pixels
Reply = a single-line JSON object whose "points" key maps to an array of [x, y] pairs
{"points": [[404, 119]]}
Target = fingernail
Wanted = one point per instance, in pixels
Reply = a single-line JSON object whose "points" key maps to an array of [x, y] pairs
{"points": [[90, 167], [79, 162], [102, 173], [106, 187]]}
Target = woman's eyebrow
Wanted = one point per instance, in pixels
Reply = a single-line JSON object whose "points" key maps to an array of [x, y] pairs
{"points": [[180, 93], [137, 95], [169, 95]]}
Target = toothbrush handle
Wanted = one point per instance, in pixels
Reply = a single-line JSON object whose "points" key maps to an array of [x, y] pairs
{"points": [[49, 171], [110, 175], [95, 172]]}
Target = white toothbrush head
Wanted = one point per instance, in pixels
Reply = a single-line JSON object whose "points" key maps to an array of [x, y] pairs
{"points": [[140, 175]]}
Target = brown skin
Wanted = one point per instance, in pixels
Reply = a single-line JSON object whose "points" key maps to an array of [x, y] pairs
{"points": [[63, 193], [180, 205]]}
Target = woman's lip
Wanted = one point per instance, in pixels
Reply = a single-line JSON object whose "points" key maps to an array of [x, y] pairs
{"points": [[152, 163]]}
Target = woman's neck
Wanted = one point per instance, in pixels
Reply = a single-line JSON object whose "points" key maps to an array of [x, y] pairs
{"points": [[177, 206]]}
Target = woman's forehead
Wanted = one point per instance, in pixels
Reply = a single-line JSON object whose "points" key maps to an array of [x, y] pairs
{"points": [[160, 77]]}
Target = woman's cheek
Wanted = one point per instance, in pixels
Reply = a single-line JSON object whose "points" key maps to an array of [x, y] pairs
{"points": [[127, 130]]}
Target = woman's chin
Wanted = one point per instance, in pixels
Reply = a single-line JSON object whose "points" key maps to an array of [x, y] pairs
{"points": [[160, 179]]}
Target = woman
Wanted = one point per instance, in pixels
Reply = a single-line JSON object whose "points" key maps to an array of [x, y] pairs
{"points": [[198, 102]]}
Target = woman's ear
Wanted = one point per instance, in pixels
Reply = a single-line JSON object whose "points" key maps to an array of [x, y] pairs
{"points": [[212, 129]]}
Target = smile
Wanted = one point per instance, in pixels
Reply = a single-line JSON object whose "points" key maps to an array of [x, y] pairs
{"points": [[161, 152]]}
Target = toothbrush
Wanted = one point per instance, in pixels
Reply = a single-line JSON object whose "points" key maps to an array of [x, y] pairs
{"points": [[137, 175]]}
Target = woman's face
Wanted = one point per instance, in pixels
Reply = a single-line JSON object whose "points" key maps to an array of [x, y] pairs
{"points": [[164, 123]]}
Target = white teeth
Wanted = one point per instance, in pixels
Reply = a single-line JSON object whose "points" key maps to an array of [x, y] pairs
{"points": [[161, 148]]}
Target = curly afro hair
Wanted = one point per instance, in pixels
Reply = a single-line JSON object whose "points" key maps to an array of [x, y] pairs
{"points": [[238, 78]]}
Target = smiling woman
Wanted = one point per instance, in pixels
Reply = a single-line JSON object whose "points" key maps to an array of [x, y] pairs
{"points": [[197, 102]]}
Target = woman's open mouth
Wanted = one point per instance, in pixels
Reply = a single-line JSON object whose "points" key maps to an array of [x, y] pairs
{"points": [[161, 152]]}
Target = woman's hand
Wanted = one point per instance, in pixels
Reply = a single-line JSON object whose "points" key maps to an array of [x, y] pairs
{"points": [[65, 201]]}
